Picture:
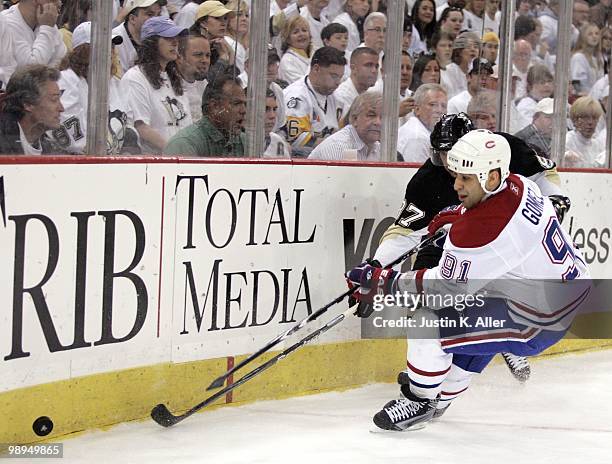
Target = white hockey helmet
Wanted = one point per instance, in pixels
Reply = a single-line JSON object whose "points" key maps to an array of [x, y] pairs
{"points": [[478, 152]]}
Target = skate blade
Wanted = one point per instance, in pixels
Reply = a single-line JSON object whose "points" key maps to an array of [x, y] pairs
{"points": [[376, 429]]}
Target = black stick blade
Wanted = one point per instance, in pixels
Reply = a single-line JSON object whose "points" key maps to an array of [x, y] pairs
{"points": [[162, 415], [217, 383]]}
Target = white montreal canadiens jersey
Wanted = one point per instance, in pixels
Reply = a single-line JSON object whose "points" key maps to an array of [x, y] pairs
{"points": [[512, 246], [310, 115]]}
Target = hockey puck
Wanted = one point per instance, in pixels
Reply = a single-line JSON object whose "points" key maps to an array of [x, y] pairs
{"points": [[42, 426]]}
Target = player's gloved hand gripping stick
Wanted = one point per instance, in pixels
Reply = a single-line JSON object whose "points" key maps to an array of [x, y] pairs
{"points": [[373, 279], [162, 415]]}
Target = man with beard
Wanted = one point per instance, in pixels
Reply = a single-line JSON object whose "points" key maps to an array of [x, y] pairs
{"points": [[193, 64], [359, 140], [311, 110]]}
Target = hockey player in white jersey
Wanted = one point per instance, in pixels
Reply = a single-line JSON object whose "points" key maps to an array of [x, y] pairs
{"points": [[430, 191], [505, 239]]}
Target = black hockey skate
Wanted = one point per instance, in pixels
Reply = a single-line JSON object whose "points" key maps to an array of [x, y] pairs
{"points": [[440, 411], [409, 412], [518, 365], [403, 379]]}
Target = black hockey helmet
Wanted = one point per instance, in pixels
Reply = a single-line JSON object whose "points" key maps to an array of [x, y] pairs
{"points": [[446, 132]]}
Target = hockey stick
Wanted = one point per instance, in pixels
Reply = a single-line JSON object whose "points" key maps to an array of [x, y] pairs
{"points": [[162, 415], [218, 382]]}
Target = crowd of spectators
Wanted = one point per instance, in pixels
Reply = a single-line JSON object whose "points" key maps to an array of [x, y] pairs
{"points": [[180, 69]]}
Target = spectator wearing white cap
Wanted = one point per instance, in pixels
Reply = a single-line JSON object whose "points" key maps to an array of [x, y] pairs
{"points": [[72, 134], [154, 87], [137, 12], [34, 36], [73, 13], [539, 133]]}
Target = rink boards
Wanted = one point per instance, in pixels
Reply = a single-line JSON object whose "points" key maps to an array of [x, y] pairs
{"points": [[125, 283]]}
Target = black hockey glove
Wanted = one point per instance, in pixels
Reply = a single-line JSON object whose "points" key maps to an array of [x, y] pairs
{"points": [[364, 309], [561, 204]]}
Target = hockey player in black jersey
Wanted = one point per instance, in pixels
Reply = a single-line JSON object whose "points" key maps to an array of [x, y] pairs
{"points": [[431, 190]]}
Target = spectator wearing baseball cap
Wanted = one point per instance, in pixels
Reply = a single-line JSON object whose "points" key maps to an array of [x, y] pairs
{"points": [[211, 21], [466, 47], [136, 13], [74, 88], [539, 133], [490, 46], [478, 78], [154, 87]]}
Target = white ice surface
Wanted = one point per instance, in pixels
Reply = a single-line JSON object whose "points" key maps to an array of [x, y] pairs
{"points": [[562, 415]]}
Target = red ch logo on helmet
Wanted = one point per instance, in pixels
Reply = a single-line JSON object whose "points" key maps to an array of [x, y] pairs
{"points": [[490, 144]]}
